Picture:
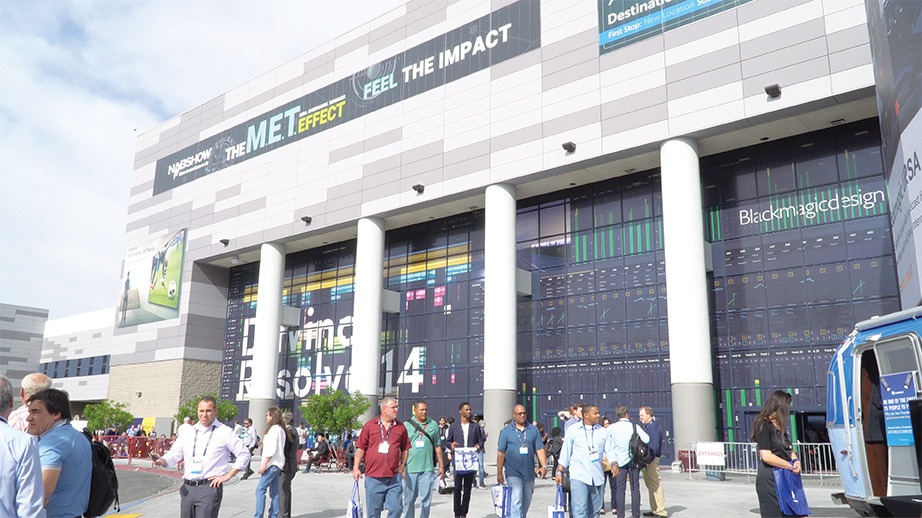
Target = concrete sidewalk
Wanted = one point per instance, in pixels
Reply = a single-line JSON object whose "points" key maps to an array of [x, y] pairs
{"points": [[324, 495]]}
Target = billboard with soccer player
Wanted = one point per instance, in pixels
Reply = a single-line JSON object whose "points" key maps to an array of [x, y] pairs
{"points": [[150, 285]]}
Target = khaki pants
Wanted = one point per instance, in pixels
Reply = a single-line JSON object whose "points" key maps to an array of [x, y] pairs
{"points": [[655, 487]]}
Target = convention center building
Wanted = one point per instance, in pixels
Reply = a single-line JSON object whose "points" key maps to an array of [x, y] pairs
{"points": [[680, 204]]}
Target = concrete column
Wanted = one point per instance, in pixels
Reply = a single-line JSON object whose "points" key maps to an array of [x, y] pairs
{"points": [[693, 412], [366, 311], [499, 309], [266, 334]]}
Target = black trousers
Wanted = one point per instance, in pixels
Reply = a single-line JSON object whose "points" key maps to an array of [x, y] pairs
{"points": [[285, 493], [202, 501], [462, 493]]}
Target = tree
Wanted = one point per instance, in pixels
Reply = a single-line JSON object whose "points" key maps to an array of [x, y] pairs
{"points": [[334, 413], [107, 414], [226, 409]]}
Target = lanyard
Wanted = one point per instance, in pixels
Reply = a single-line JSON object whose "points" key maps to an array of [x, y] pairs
{"points": [[384, 436], [195, 441], [590, 441], [522, 436]]}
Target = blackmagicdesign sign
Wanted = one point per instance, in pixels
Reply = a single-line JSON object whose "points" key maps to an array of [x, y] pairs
{"points": [[491, 39], [623, 22]]}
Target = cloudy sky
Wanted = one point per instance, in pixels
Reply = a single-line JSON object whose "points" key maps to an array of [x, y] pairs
{"points": [[79, 80]]}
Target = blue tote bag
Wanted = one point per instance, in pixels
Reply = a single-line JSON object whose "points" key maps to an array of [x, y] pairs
{"points": [[790, 490]]}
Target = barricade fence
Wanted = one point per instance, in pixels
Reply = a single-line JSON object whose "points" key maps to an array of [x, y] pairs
{"points": [[717, 459], [134, 448]]}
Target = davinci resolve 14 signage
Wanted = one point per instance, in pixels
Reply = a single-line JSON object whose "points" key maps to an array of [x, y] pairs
{"points": [[623, 22], [491, 39]]}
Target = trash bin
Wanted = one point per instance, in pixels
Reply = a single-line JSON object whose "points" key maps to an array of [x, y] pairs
{"points": [[688, 460]]}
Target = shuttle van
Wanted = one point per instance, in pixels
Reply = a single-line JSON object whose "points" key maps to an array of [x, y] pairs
{"points": [[873, 415]]}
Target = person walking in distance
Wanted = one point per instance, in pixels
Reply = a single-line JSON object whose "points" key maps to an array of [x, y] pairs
{"points": [[623, 467], [248, 435], [425, 446], [518, 447], [21, 492], [651, 477], [583, 447], [205, 452], [273, 460], [291, 465], [383, 445], [467, 434]]}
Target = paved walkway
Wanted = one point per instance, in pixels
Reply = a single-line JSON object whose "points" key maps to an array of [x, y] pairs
{"points": [[325, 495]]}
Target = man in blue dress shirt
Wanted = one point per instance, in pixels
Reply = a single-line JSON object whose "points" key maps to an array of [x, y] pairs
{"points": [[583, 448], [519, 444], [21, 492], [622, 466]]}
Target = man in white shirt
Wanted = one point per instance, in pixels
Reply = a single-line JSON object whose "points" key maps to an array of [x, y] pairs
{"points": [[31, 384], [185, 427], [205, 452], [620, 433], [21, 493]]}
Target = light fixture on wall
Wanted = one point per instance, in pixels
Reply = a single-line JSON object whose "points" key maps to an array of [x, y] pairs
{"points": [[419, 188], [569, 147], [306, 219], [773, 91], [224, 242], [137, 394], [235, 260]]}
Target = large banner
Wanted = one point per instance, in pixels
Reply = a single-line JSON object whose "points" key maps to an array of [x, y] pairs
{"points": [[895, 28], [496, 37], [152, 280], [623, 22]]}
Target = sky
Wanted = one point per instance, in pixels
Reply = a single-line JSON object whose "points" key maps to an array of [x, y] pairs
{"points": [[79, 81]]}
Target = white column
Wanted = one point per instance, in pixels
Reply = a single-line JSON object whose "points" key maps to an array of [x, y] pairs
{"points": [[366, 311], [693, 412], [499, 366], [266, 334]]}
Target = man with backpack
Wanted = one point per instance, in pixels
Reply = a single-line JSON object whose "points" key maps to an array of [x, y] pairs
{"points": [[626, 459], [651, 477], [65, 454]]}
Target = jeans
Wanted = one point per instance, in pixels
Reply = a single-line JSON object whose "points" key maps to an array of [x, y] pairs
{"points": [[381, 493], [634, 473], [586, 500], [480, 471], [522, 491], [268, 480], [418, 484], [462, 494]]}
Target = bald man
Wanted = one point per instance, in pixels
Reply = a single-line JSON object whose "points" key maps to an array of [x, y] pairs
{"points": [[32, 384]]}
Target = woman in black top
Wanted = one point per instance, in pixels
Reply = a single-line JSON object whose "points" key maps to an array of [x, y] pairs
{"points": [[775, 449]]}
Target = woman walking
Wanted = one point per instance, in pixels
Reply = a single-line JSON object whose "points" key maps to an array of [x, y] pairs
{"points": [[775, 450], [272, 463]]}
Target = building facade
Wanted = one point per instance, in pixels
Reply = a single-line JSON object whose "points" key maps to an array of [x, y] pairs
{"points": [[673, 204], [21, 331]]}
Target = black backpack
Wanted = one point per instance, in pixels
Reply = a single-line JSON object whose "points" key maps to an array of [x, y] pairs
{"points": [[103, 480], [554, 446], [641, 455]]}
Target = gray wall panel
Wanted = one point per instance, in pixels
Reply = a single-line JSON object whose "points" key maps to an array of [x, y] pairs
{"points": [[796, 53], [516, 64], [581, 54], [421, 24], [131, 226], [634, 102], [514, 138], [702, 82], [469, 151], [574, 73], [581, 40], [388, 34], [251, 206], [140, 188], [572, 121], [141, 205], [422, 152], [850, 58], [261, 98], [347, 151], [344, 189], [787, 76], [421, 166], [383, 164], [385, 189], [382, 178], [228, 192], [714, 60], [322, 64], [636, 119], [464, 167], [847, 38], [784, 38], [762, 8], [354, 44]]}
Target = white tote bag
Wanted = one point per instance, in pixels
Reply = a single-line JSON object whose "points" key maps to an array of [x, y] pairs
{"points": [[466, 460]]}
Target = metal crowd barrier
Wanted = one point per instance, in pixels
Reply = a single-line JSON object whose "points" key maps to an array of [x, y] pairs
{"points": [[134, 448], [717, 459]]}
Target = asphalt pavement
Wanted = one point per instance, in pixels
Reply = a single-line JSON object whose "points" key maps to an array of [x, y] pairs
{"points": [[153, 493]]}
